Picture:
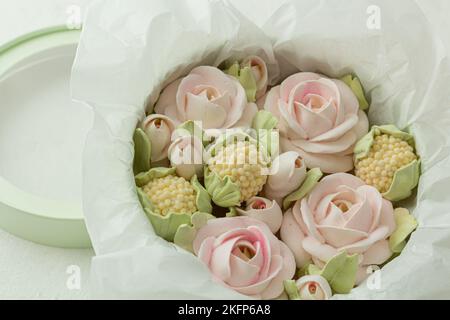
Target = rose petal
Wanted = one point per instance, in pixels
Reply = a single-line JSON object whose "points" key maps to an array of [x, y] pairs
{"points": [[212, 115], [292, 236], [292, 81], [308, 218], [339, 237], [328, 163], [377, 254], [242, 273], [287, 272], [328, 147], [380, 233], [324, 252], [348, 124]]}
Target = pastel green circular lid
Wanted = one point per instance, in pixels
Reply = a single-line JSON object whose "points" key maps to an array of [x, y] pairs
{"points": [[42, 134]]}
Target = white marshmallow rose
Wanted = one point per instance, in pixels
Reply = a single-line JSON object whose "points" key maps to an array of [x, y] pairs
{"points": [[319, 118], [159, 129], [313, 288], [287, 175], [208, 95], [265, 210]]}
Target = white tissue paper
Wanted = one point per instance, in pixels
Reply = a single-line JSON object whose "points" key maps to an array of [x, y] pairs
{"points": [[130, 50]]}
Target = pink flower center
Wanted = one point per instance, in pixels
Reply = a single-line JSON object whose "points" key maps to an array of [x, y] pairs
{"points": [[343, 206], [298, 163], [259, 205], [157, 123], [246, 252], [312, 288]]}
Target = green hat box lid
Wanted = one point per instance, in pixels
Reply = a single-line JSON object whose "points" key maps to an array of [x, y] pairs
{"points": [[42, 133]]}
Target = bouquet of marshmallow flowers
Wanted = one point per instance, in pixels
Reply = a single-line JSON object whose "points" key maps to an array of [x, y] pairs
{"points": [[282, 192]]}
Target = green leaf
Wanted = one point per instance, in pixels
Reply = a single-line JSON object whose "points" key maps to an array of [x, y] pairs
{"points": [[203, 200], [340, 272], [155, 173], [186, 233], [246, 78], [290, 286], [404, 181], [312, 178], [264, 120], [406, 224], [142, 152], [224, 192], [356, 87], [167, 226]]}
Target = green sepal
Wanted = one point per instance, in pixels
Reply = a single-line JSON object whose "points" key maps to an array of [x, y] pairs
{"points": [[404, 181], [290, 286], [314, 270], [303, 271], [246, 78], [203, 200], [155, 173], [186, 233], [264, 120], [312, 178], [363, 146], [340, 272], [144, 200], [142, 152], [189, 128], [167, 226], [232, 213], [355, 85], [224, 192], [406, 224]]}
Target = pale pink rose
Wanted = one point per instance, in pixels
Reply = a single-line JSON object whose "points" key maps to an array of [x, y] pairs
{"points": [[342, 213], [319, 118], [244, 255], [265, 210], [208, 95]]}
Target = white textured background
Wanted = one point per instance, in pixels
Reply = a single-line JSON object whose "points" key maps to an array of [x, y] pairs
{"points": [[27, 270]]}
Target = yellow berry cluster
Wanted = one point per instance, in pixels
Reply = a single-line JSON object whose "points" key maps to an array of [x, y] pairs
{"points": [[387, 155], [244, 164], [171, 194]]}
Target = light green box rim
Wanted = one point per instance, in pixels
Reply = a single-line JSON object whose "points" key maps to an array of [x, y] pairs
{"points": [[53, 223]]}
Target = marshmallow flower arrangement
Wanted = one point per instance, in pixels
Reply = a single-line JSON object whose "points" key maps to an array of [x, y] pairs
{"points": [[283, 191]]}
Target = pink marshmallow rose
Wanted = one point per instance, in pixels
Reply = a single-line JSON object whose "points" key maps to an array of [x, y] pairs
{"points": [[244, 255], [208, 95], [341, 213], [319, 118]]}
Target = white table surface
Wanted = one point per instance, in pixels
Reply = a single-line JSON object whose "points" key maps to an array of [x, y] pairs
{"points": [[28, 270]]}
